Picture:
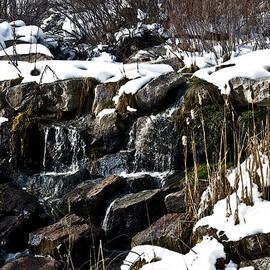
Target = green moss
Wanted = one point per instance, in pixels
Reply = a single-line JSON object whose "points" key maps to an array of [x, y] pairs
{"points": [[259, 115], [94, 152], [196, 82]]}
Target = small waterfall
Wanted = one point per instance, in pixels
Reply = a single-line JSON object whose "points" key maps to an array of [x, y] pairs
{"points": [[107, 216], [154, 139], [46, 132], [64, 150]]}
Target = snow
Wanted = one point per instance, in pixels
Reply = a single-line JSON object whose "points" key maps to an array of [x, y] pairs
{"points": [[231, 266], [252, 219], [131, 109], [105, 112], [2, 120], [202, 256], [22, 49], [30, 33], [254, 65]]}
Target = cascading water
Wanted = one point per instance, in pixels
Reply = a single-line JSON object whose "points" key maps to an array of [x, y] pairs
{"points": [[64, 150], [154, 140]]}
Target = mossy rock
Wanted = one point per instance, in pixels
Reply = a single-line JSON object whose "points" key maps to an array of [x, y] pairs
{"points": [[193, 68], [209, 93]]}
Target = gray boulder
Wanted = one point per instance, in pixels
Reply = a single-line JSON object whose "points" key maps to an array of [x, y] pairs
{"points": [[154, 94], [241, 91]]}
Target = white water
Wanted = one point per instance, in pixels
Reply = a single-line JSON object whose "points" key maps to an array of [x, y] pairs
{"points": [[107, 215], [63, 142]]}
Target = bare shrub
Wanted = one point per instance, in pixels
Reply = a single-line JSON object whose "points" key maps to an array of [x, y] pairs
{"points": [[30, 11], [202, 24], [96, 21]]}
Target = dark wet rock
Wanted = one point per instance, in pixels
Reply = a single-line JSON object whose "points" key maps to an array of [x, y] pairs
{"points": [[52, 184], [258, 264], [4, 85], [142, 182], [154, 94], [34, 263], [20, 213], [132, 213], [109, 132], [6, 166], [251, 247], [175, 202], [71, 234], [71, 95], [111, 164], [91, 200], [241, 91], [171, 231]]}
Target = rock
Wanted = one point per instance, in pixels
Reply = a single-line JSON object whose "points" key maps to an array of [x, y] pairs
{"points": [[251, 247], [91, 200], [191, 69], [20, 213], [154, 139], [71, 95], [104, 94], [52, 184], [175, 202], [142, 182], [6, 166], [71, 235], [171, 231], [108, 132], [210, 94], [34, 263], [154, 94], [4, 85], [132, 213], [175, 62], [111, 164], [258, 264], [241, 94]]}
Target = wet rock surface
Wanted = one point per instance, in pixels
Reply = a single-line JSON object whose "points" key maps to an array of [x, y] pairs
{"points": [[131, 213], [153, 94], [171, 231], [20, 213], [175, 202], [34, 263], [70, 234]]}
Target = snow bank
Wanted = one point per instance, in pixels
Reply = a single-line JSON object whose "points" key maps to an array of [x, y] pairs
{"points": [[252, 219], [2, 120], [105, 112], [202, 256], [253, 65], [18, 29], [22, 49]]}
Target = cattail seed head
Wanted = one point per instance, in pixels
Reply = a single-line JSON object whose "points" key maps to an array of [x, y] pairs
{"points": [[200, 99], [192, 113], [184, 140]]}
